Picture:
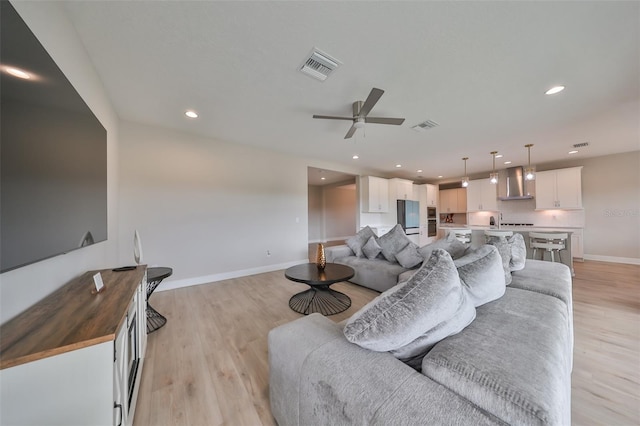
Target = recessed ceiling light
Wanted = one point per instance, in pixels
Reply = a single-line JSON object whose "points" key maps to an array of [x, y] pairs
{"points": [[355, 157], [440, 177], [499, 156], [554, 90], [507, 162], [16, 72], [398, 165], [419, 171], [191, 114], [573, 152], [322, 178]]}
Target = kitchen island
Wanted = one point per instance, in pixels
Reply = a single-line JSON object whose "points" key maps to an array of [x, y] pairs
{"points": [[478, 238]]}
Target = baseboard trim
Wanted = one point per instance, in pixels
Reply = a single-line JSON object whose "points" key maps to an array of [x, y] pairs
{"points": [[206, 279], [613, 259]]}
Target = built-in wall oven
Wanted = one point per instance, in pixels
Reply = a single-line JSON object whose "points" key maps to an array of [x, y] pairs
{"points": [[432, 225]]}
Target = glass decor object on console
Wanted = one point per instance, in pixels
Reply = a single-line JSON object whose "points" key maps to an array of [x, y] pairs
{"points": [[529, 171], [493, 177]]}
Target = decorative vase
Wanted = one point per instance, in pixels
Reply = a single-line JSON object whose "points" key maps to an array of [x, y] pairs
{"points": [[321, 260]]}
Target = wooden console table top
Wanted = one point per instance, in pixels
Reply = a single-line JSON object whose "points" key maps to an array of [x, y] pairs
{"points": [[70, 318]]}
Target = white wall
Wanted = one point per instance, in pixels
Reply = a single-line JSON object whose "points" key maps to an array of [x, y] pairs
{"points": [[208, 209], [340, 211], [315, 214], [22, 287]]}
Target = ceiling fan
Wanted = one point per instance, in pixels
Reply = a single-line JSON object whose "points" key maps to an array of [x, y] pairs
{"points": [[361, 111]]}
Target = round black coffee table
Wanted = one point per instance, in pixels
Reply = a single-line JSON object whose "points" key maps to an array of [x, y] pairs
{"points": [[319, 298], [155, 319]]}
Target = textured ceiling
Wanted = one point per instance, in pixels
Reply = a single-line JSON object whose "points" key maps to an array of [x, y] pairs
{"points": [[479, 69]]}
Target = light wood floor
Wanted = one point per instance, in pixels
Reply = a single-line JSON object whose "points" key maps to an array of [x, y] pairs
{"points": [[208, 365]]}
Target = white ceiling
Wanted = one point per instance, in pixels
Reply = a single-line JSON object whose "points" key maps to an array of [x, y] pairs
{"points": [[479, 69]]}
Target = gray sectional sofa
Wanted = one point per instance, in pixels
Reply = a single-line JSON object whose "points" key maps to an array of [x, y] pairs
{"points": [[511, 365]]}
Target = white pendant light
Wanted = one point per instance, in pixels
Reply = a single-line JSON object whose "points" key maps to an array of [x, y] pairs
{"points": [[529, 171], [465, 179], [493, 177]]}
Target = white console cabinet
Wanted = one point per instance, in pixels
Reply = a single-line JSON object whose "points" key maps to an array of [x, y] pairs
{"points": [[67, 360]]}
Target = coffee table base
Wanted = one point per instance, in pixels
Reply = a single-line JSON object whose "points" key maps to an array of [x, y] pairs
{"points": [[320, 299]]}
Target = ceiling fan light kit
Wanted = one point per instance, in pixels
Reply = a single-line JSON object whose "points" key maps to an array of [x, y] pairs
{"points": [[360, 114]]}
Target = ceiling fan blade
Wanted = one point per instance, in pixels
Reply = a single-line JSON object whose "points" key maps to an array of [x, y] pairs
{"points": [[351, 131], [331, 117], [372, 99], [384, 120]]}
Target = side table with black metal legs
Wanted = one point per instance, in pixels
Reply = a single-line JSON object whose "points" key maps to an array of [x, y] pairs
{"points": [[155, 320]]}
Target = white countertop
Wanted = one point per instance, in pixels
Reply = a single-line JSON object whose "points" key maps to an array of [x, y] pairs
{"points": [[511, 228]]}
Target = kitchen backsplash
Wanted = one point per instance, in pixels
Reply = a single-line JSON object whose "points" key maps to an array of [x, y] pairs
{"points": [[523, 211]]}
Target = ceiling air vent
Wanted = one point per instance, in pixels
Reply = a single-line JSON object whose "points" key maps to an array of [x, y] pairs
{"points": [[580, 145], [319, 65], [425, 125]]}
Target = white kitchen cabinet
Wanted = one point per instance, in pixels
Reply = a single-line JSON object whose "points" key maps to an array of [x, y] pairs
{"points": [[577, 247], [402, 189], [432, 195], [481, 196], [375, 194], [453, 200], [559, 189]]}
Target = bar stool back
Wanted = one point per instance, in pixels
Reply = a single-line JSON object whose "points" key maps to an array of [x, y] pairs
{"points": [[462, 235], [497, 233], [548, 242]]}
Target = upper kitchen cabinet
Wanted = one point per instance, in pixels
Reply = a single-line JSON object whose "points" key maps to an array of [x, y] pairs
{"points": [[401, 189], [453, 200], [559, 189], [432, 195], [375, 194], [481, 196]]}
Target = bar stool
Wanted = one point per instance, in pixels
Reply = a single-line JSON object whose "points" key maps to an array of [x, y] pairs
{"points": [[549, 242], [497, 233], [462, 235]]}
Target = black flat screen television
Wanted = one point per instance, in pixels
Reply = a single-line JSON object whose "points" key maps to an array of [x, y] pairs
{"points": [[53, 154]]}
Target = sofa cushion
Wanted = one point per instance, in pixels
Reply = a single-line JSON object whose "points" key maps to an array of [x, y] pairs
{"points": [[505, 253], [409, 257], [428, 306], [376, 274], [356, 242], [392, 242], [454, 247], [371, 249], [518, 252], [481, 273], [512, 361]]}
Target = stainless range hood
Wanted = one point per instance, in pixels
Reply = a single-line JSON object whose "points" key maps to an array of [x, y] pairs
{"points": [[514, 182]]}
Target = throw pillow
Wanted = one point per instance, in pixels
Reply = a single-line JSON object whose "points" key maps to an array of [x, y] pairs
{"points": [[429, 306], [518, 252], [371, 249], [505, 253], [481, 274], [450, 244], [392, 242], [356, 242], [409, 257]]}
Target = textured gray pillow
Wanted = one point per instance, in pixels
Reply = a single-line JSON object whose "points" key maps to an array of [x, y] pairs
{"points": [[409, 257], [505, 253], [450, 244], [518, 252], [392, 242], [356, 242], [481, 273], [371, 249], [429, 306]]}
